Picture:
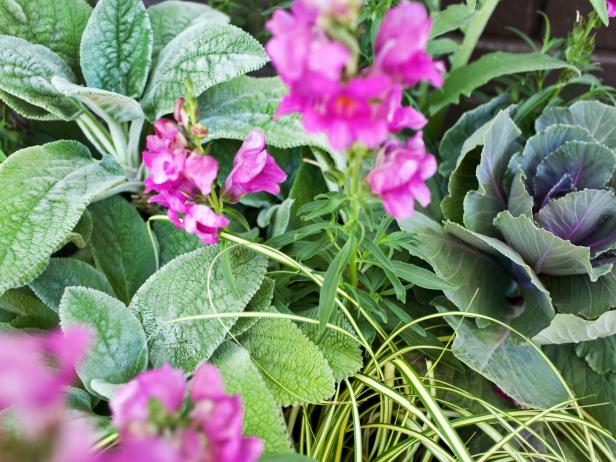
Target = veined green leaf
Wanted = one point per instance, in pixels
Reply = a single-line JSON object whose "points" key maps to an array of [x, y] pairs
{"points": [[172, 17], [262, 417], [57, 25], [119, 350], [116, 48], [568, 328], [28, 72], [261, 301], [235, 108], [67, 272], [62, 180], [331, 280], [293, 367], [105, 104], [121, 246], [579, 295], [192, 285], [207, 53], [173, 242], [464, 80]]}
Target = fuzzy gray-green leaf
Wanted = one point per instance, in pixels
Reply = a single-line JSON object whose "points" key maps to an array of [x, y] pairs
{"points": [[28, 70], [62, 180], [207, 53], [119, 350], [191, 285], [116, 48]]}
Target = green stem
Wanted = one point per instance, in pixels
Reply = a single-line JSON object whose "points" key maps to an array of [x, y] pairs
{"points": [[354, 218]]}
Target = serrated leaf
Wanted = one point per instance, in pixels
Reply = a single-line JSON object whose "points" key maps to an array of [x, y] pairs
{"points": [[103, 103], [62, 179], [58, 26], [464, 80], [261, 301], [190, 285], [482, 206], [116, 47], [598, 118], [28, 70], [293, 367], [172, 17], [235, 108], [173, 242], [67, 272], [262, 417], [545, 252], [121, 246], [206, 53], [119, 350], [342, 352], [568, 328]]}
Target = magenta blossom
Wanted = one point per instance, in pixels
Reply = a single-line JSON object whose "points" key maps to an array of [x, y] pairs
{"points": [[611, 8], [254, 170], [401, 43], [30, 385], [166, 153], [131, 403], [201, 220], [207, 429], [400, 174]]}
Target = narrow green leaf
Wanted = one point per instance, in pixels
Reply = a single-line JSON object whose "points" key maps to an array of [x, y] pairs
{"points": [[331, 281], [119, 351], [420, 277], [116, 48], [62, 180], [600, 7], [464, 80], [207, 53], [121, 246], [67, 272]]}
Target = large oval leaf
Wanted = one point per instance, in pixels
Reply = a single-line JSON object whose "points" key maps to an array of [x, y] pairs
{"points": [[57, 25], [116, 48], [191, 285], [45, 190], [27, 73], [568, 328], [262, 416], [172, 17], [121, 246], [119, 350], [207, 54]]}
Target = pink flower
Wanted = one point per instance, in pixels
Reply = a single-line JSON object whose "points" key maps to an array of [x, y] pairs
{"points": [[30, 385], [254, 170], [131, 403], [144, 450], [202, 171], [399, 176], [611, 8], [401, 43], [166, 153], [201, 220]]}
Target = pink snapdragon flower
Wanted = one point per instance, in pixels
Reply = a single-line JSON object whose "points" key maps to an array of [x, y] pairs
{"points": [[254, 170], [32, 387], [201, 220], [611, 8], [401, 43], [207, 429], [399, 176]]}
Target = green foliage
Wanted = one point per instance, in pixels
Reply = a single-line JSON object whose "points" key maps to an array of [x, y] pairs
{"points": [[121, 246], [62, 180], [119, 349], [58, 26], [173, 242], [62, 273], [192, 285], [207, 53], [293, 367], [116, 47]]}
